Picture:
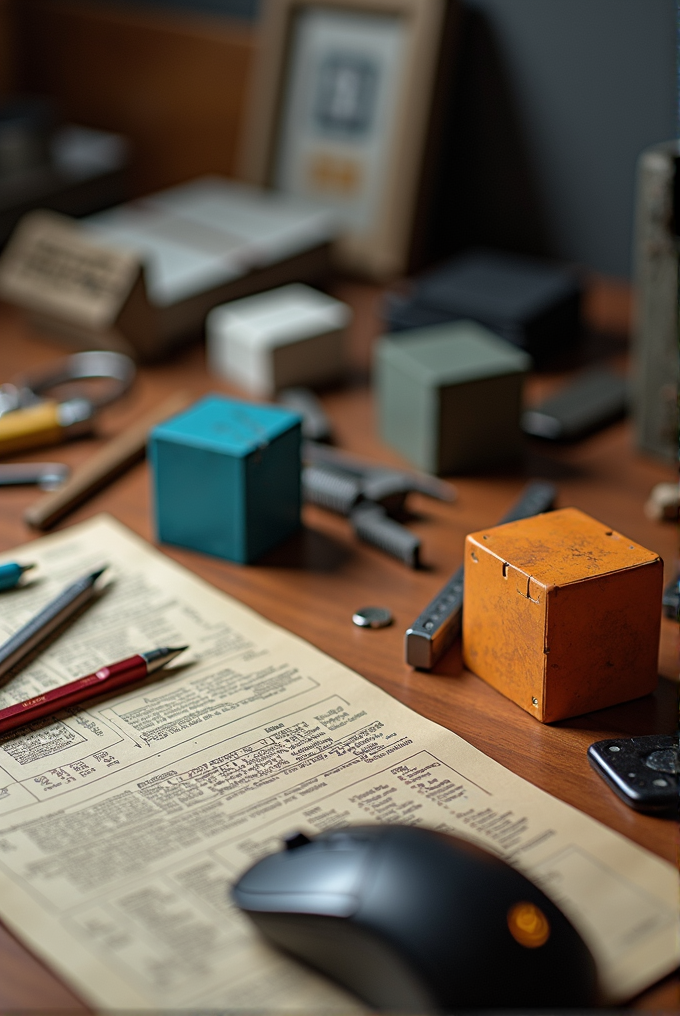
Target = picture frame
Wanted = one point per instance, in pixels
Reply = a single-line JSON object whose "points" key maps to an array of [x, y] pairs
{"points": [[346, 109]]}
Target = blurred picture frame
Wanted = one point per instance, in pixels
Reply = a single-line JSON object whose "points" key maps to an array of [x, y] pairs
{"points": [[345, 109]]}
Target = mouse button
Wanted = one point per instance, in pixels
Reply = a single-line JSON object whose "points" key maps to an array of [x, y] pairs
{"points": [[344, 841], [430, 898], [310, 904], [410, 866], [357, 959], [404, 897], [336, 844], [357, 839], [312, 872]]}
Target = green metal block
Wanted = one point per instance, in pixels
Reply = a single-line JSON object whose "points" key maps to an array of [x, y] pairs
{"points": [[449, 397]]}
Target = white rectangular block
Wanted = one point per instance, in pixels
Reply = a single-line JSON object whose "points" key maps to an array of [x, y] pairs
{"points": [[289, 336]]}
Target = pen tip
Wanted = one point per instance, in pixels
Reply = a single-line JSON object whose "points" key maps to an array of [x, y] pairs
{"points": [[27, 567], [96, 574], [157, 658]]}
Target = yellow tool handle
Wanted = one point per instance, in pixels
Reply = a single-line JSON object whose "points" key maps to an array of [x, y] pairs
{"points": [[30, 428]]}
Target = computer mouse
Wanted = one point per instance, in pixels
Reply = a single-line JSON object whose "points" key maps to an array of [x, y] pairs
{"points": [[413, 920]]}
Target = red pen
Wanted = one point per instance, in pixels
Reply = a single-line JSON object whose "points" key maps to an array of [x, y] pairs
{"points": [[105, 679]]}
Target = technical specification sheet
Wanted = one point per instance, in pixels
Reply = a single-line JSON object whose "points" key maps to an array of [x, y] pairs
{"points": [[124, 821]]}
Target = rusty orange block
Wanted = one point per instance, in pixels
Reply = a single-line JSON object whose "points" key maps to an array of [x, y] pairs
{"points": [[562, 614]]}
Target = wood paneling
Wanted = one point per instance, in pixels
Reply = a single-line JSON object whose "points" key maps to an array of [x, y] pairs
{"points": [[174, 85]]}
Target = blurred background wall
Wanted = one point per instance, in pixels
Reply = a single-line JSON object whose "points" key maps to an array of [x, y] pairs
{"points": [[172, 82], [594, 82], [554, 101]]}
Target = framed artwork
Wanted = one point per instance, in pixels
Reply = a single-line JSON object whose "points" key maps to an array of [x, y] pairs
{"points": [[342, 113]]}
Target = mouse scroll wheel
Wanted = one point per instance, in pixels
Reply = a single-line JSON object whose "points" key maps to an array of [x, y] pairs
{"points": [[528, 925], [295, 840]]}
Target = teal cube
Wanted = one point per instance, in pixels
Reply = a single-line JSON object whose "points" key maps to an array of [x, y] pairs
{"points": [[226, 477], [450, 397]]}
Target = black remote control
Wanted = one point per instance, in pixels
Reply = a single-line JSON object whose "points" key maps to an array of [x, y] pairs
{"points": [[435, 629], [643, 771]]}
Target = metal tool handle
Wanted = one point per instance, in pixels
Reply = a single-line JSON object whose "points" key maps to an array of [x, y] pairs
{"points": [[116, 368], [46, 475], [372, 524], [328, 489], [333, 458], [439, 625], [29, 428], [537, 497]]}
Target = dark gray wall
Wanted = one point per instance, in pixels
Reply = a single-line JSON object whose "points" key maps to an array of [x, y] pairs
{"points": [[593, 83]]}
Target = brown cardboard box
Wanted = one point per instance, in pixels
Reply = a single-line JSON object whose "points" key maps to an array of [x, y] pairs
{"points": [[142, 277], [562, 614]]}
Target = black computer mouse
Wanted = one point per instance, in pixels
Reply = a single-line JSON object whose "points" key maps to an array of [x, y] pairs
{"points": [[414, 920]]}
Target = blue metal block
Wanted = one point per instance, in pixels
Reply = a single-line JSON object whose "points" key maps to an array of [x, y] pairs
{"points": [[226, 477]]}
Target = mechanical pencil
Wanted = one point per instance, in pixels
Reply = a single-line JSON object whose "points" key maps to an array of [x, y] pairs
{"points": [[65, 605], [105, 679]]}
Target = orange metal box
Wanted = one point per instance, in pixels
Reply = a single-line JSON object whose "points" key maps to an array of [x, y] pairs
{"points": [[562, 614]]}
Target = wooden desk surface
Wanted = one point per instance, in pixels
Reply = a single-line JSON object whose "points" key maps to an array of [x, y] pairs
{"points": [[313, 584]]}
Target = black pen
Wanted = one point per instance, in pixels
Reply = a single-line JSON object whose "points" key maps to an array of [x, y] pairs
{"points": [[63, 606]]}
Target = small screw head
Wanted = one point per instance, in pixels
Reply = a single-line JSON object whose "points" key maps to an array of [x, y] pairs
{"points": [[534, 701]]}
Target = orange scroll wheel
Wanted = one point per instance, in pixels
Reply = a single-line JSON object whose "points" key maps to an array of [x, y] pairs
{"points": [[528, 925]]}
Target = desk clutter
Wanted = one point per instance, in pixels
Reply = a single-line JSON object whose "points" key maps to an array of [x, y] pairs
{"points": [[287, 337], [559, 613], [337, 326], [230, 478], [54, 405], [226, 478], [449, 397], [140, 278], [555, 610], [533, 304], [256, 770], [562, 613]]}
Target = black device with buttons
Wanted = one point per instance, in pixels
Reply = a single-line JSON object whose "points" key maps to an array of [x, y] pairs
{"points": [[643, 771]]}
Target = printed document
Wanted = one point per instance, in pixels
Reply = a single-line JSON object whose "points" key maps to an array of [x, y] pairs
{"points": [[124, 820]]}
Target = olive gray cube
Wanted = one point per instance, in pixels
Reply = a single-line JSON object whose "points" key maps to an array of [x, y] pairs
{"points": [[449, 397]]}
